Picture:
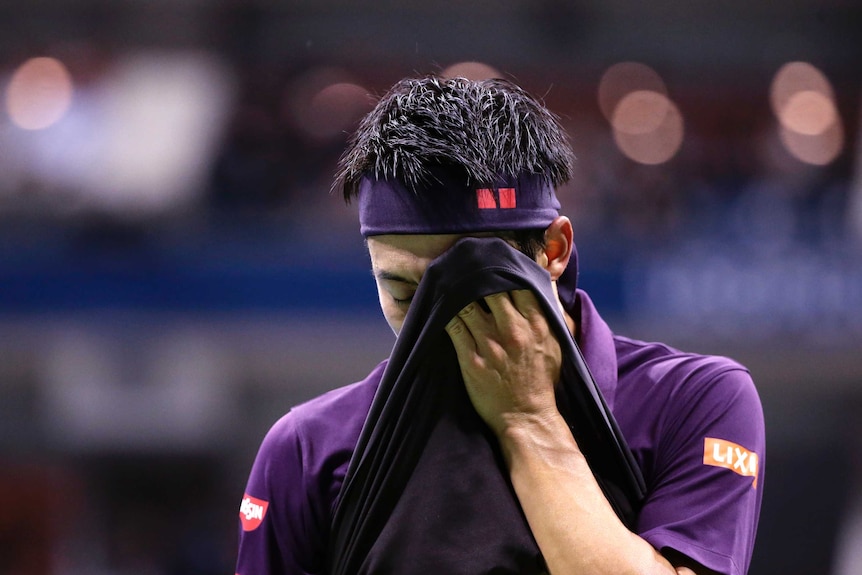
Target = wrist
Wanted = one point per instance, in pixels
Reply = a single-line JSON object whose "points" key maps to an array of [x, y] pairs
{"points": [[540, 434]]}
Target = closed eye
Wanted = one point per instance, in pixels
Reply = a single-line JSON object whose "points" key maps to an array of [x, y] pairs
{"points": [[400, 289], [402, 302]]}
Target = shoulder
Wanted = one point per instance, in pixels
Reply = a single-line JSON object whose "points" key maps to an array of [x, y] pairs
{"points": [[658, 361], [658, 374], [296, 477], [685, 394], [327, 424], [695, 425]]}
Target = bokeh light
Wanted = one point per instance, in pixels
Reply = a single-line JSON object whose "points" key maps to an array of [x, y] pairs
{"points": [[803, 101], [808, 112], [642, 144], [335, 109], [647, 126], [819, 150], [623, 78], [471, 71], [161, 117], [640, 112], [39, 93], [795, 77], [326, 103]]}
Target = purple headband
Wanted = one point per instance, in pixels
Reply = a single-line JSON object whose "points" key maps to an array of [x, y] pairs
{"points": [[447, 205]]}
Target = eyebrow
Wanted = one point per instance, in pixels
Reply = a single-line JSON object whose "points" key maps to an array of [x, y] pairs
{"points": [[389, 276]]}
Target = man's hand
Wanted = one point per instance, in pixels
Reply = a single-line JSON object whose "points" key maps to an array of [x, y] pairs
{"points": [[509, 358], [511, 363]]}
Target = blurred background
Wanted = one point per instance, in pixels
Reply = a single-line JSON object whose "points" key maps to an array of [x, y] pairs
{"points": [[175, 273]]}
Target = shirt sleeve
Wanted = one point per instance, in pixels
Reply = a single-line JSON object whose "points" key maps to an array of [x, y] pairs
{"points": [[704, 500], [278, 531]]}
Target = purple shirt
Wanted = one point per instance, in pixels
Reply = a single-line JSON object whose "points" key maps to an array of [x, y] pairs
{"points": [[694, 424]]}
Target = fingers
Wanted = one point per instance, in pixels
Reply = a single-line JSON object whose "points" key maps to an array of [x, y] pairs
{"points": [[526, 303], [530, 309], [500, 311], [460, 335], [512, 308], [474, 333], [482, 326]]}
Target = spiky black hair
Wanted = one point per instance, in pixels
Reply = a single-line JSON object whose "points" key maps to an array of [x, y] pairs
{"points": [[483, 128]]}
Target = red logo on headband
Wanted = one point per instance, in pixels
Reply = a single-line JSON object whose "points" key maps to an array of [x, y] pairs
{"points": [[486, 201]]}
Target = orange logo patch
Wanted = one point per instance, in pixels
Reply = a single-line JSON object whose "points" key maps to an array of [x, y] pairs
{"points": [[252, 512], [722, 453]]}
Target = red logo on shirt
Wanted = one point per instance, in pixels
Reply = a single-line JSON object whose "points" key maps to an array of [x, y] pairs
{"points": [[252, 512], [723, 453]]}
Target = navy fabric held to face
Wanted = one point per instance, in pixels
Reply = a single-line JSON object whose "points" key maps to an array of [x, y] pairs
{"points": [[426, 490]]}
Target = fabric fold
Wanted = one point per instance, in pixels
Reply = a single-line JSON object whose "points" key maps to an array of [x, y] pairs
{"points": [[427, 490]]}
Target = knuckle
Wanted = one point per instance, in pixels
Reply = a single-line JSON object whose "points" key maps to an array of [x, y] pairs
{"points": [[496, 352], [468, 310], [540, 327], [474, 364], [518, 339]]}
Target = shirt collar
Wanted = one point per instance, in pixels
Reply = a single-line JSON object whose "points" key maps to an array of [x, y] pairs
{"points": [[596, 342]]}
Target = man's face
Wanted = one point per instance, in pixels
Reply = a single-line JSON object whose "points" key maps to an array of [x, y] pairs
{"points": [[398, 263]]}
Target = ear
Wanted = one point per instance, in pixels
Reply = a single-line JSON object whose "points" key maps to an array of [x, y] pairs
{"points": [[558, 247]]}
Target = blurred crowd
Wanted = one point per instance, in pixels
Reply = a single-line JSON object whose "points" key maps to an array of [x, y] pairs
{"points": [[201, 143]]}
